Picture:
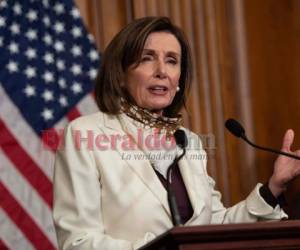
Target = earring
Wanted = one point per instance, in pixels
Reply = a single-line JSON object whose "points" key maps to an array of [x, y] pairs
{"points": [[177, 89]]}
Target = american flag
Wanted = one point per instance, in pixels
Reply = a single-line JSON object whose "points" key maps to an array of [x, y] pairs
{"points": [[48, 63]]}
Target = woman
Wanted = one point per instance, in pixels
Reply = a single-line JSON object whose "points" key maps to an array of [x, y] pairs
{"points": [[110, 179]]}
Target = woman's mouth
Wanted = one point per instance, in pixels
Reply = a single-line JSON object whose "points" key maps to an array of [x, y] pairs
{"points": [[158, 90]]}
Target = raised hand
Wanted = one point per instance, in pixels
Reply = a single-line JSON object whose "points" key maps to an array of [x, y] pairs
{"points": [[285, 168]]}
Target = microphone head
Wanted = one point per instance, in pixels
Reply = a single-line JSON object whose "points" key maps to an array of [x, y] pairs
{"points": [[235, 127], [180, 138]]}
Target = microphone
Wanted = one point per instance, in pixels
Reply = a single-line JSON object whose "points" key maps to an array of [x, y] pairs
{"points": [[181, 141], [180, 138], [237, 129]]}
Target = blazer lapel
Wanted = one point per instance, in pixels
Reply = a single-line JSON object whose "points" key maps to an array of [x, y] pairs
{"points": [[191, 186], [138, 162]]}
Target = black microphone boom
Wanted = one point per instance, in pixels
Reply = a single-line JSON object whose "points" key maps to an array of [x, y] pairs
{"points": [[236, 129], [180, 138], [181, 141]]}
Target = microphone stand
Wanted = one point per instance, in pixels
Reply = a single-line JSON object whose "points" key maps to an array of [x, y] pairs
{"points": [[243, 136], [237, 130], [171, 195]]}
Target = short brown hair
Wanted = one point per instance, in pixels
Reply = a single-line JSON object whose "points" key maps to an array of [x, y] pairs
{"points": [[125, 50]]}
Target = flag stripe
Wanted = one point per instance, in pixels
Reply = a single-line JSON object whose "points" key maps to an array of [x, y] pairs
{"points": [[23, 220], [73, 114], [3, 246], [61, 124], [88, 105], [26, 137], [27, 197], [11, 236], [25, 164]]}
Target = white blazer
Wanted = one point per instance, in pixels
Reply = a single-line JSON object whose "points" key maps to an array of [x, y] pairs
{"points": [[106, 198]]}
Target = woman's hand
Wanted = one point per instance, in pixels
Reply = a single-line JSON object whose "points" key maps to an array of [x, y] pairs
{"points": [[285, 168]]}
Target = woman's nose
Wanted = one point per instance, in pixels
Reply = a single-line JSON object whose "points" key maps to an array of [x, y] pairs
{"points": [[160, 71]]}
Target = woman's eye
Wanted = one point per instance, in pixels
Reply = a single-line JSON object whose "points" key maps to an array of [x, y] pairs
{"points": [[146, 58], [172, 61]]}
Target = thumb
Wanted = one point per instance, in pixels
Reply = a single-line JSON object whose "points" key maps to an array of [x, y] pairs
{"points": [[287, 140]]}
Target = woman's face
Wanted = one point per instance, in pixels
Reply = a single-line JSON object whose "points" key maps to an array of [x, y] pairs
{"points": [[152, 84]]}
